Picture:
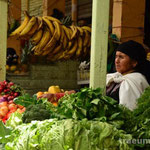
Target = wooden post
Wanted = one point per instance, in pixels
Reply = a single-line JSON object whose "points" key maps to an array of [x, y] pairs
{"points": [[3, 38], [74, 12], [27, 6], [45, 7], [128, 20], [98, 61], [49, 5]]}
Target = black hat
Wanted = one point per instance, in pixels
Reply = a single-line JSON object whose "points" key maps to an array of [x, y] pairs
{"points": [[137, 52], [133, 49]]}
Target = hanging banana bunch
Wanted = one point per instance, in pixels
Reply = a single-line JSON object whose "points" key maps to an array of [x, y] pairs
{"points": [[53, 39]]}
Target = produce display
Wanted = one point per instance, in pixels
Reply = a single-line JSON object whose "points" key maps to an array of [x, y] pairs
{"points": [[35, 112], [8, 91], [52, 38], [84, 120], [53, 94], [67, 135]]}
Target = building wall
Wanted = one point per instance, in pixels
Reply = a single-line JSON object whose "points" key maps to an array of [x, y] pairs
{"points": [[41, 76], [84, 9], [128, 19]]}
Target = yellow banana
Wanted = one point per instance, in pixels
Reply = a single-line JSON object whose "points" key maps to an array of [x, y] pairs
{"points": [[74, 30], [63, 39], [57, 49], [87, 38], [70, 43], [68, 31], [86, 52], [40, 22], [54, 49], [46, 52], [72, 51], [42, 43], [58, 29], [49, 24], [89, 42], [86, 28], [37, 36], [65, 53], [80, 31], [52, 19], [79, 49], [28, 27], [33, 29], [51, 44], [22, 26], [57, 56]]}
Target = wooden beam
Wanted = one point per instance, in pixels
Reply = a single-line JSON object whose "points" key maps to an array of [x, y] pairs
{"points": [[128, 20], [74, 12], [3, 38], [27, 6], [98, 60], [49, 5]]}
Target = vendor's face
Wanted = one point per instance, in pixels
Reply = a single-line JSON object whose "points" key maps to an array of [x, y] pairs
{"points": [[124, 63]]}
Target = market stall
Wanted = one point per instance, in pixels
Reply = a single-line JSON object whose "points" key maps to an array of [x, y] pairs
{"points": [[60, 119]]}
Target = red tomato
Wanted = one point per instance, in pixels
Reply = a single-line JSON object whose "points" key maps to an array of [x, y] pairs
{"points": [[2, 113], [12, 106], [8, 114], [4, 109], [3, 104]]}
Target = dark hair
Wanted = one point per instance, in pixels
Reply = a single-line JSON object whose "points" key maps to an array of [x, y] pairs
{"points": [[136, 52]]}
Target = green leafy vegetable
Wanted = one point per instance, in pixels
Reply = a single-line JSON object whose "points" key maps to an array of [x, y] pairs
{"points": [[14, 120], [4, 133], [68, 134], [35, 112]]}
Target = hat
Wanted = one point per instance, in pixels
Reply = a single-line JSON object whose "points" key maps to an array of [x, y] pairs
{"points": [[133, 49], [137, 52]]}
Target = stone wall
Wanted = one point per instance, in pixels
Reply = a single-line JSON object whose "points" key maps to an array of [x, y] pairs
{"points": [[41, 76]]}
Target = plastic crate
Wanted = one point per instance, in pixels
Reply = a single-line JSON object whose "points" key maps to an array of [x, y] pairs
{"points": [[83, 76]]}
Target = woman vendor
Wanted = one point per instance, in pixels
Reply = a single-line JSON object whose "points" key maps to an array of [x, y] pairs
{"points": [[132, 76]]}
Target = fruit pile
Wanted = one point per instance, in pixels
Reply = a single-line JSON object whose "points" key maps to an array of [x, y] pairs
{"points": [[51, 37], [7, 108], [53, 94], [8, 91]]}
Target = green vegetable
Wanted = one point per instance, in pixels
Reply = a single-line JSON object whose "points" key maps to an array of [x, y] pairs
{"points": [[88, 103], [26, 100], [35, 112], [14, 120], [4, 133], [68, 134]]}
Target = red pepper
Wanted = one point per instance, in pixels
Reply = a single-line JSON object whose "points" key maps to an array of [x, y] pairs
{"points": [[59, 95]]}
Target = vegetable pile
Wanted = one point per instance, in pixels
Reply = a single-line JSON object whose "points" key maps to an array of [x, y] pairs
{"points": [[86, 120], [67, 135], [9, 91], [35, 112]]}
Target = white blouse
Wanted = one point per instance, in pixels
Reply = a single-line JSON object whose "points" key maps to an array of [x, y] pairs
{"points": [[131, 88]]}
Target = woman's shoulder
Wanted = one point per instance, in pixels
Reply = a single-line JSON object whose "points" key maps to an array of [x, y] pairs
{"points": [[135, 76], [114, 77], [136, 79], [115, 74]]}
